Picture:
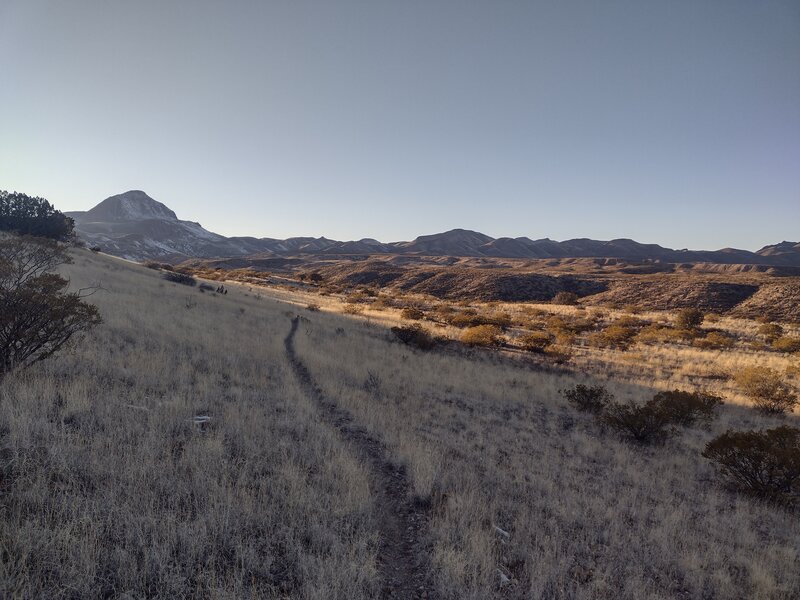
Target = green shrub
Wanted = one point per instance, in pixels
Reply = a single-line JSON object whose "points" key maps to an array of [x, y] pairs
{"points": [[535, 341], [765, 464], [588, 398], [645, 423], [482, 335], [769, 392], [687, 408], [414, 335]]}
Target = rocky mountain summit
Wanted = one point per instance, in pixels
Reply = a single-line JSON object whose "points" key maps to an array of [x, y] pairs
{"points": [[135, 226]]}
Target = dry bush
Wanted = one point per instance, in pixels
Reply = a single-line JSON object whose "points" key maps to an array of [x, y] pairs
{"points": [[687, 408], [566, 298], [770, 330], [586, 398], [786, 344], [715, 340], [353, 309], [647, 423], [412, 313], [482, 335], [767, 389], [689, 319], [414, 335], [614, 336], [535, 341], [765, 464], [313, 307], [181, 278]]}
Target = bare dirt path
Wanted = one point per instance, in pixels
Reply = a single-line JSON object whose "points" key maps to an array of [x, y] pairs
{"points": [[402, 556]]}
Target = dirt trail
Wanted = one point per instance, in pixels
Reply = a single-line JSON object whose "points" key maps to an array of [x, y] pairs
{"points": [[402, 556]]}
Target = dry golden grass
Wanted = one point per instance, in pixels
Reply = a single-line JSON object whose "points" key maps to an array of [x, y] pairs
{"points": [[109, 487]]}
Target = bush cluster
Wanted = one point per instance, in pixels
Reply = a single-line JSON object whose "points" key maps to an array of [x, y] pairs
{"points": [[593, 399], [482, 335]]}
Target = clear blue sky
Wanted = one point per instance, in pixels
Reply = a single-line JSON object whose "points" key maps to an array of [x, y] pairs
{"points": [[675, 122]]}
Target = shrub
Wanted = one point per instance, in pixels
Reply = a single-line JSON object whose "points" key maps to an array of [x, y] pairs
{"points": [[771, 330], [414, 335], [411, 313], [38, 315], [568, 298], [767, 389], [353, 309], [786, 344], [535, 341], [687, 408], [765, 464], [689, 318], [482, 335], [588, 398], [614, 336], [313, 307], [715, 340], [181, 278], [645, 423]]}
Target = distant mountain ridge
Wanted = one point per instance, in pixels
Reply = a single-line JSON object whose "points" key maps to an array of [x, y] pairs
{"points": [[135, 226]]}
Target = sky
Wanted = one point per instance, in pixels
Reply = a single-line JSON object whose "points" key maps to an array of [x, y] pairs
{"points": [[674, 122]]}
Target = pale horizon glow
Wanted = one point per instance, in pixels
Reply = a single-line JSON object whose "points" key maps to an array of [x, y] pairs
{"points": [[676, 123]]}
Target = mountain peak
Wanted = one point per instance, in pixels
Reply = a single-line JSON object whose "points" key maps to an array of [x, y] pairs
{"points": [[133, 205]]}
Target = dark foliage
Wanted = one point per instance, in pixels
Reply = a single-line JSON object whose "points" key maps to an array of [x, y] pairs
{"points": [[689, 318], [38, 315], [414, 335], [687, 408], [588, 398], [765, 464], [181, 278], [28, 215], [645, 423]]}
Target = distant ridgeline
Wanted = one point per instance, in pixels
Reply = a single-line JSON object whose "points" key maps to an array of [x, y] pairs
{"points": [[28, 215]]}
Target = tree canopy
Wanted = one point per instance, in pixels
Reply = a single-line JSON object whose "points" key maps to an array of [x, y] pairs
{"points": [[28, 215]]}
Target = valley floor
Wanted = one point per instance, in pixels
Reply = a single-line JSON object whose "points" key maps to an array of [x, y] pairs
{"points": [[110, 486]]}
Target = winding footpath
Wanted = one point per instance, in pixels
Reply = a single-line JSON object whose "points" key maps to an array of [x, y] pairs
{"points": [[402, 556]]}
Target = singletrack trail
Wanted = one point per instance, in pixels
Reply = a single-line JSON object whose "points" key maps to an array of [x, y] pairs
{"points": [[402, 556]]}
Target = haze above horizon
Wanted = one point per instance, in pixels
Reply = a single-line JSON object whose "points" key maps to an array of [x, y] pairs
{"points": [[674, 123]]}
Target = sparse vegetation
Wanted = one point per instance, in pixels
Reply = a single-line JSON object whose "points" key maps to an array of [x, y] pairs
{"points": [[414, 335], [535, 341], [412, 313], [567, 298]]}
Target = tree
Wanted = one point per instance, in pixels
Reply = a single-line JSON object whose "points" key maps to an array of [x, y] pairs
{"points": [[38, 316], [26, 215]]}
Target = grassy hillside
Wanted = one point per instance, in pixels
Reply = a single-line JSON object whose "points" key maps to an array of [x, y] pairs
{"points": [[111, 488]]}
